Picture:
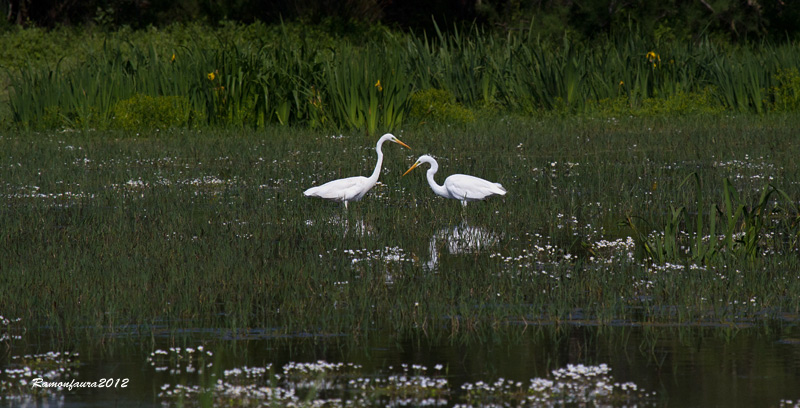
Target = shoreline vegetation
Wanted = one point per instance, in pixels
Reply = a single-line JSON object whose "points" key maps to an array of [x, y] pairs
{"points": [[257, 75]]}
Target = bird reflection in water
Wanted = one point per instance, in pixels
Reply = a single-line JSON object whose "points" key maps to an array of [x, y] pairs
{"points": [[460, 239]]}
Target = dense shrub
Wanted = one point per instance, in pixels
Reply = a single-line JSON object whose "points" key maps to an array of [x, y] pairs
{"points": [[680, 103], [733, 19], [786, 94], [151, 112], [438, 105]]}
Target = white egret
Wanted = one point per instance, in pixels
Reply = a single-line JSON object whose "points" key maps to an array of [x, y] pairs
{"points": [[353, 188], [462, 187]]}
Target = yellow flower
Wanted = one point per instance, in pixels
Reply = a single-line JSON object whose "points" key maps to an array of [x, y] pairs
{"points": [[173, 57], [653, 58], [211, 76], [621, 83], [378, 85]]}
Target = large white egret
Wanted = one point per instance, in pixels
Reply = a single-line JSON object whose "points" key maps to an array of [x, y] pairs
{"points": [[462, 187], [353, 188]]}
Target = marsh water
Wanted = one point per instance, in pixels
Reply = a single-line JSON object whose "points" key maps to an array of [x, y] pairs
{"points": [[687, 366], [191, 268]]}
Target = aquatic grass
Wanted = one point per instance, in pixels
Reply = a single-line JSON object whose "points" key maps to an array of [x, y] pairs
{"points": [[743, 228], [175, 229]]}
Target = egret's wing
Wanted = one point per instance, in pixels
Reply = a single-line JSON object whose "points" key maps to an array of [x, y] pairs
{"points": [[339, 189], [465, 187]]}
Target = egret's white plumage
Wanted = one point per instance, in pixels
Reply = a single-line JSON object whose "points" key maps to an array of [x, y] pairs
{"points": [[353, 188], [462, 187]]}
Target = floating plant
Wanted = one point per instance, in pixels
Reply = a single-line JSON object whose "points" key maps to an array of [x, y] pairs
{"points": [[322, 383]]}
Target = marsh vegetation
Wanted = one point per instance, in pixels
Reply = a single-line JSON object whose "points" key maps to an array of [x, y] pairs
{"points": [[211, 228], [259, 76]]}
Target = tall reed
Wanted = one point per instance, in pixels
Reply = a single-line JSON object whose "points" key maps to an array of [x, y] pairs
{"points": [[336, 84]]}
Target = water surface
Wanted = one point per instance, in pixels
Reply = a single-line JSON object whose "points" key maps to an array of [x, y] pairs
{"points": [[686, 366]]}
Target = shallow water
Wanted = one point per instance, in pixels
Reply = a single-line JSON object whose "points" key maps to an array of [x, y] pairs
{"points": [[460, 239], [685, 366], [219, 234]]}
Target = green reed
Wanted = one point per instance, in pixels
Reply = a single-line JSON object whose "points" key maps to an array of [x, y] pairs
{"points": [[257, 76], [744, 230], [365, 90]]}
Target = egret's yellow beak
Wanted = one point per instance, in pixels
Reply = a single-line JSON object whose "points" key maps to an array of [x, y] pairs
{"points": [[401, 143], [412, 168]]}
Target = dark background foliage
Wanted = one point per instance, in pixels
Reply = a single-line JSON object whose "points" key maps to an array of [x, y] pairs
{"points": [[736, 20]]}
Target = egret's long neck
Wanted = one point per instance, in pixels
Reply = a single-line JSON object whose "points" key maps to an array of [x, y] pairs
{"points": [[374, 177], [440, 190]]}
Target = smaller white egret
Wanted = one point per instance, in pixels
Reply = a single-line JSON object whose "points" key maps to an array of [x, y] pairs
{"points": [[353, 188], [461, 187]]}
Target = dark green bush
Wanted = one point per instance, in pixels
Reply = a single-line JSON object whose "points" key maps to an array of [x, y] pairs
{"points": [[151, 112], [786, 95], [680, 103], [438, 105]]}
